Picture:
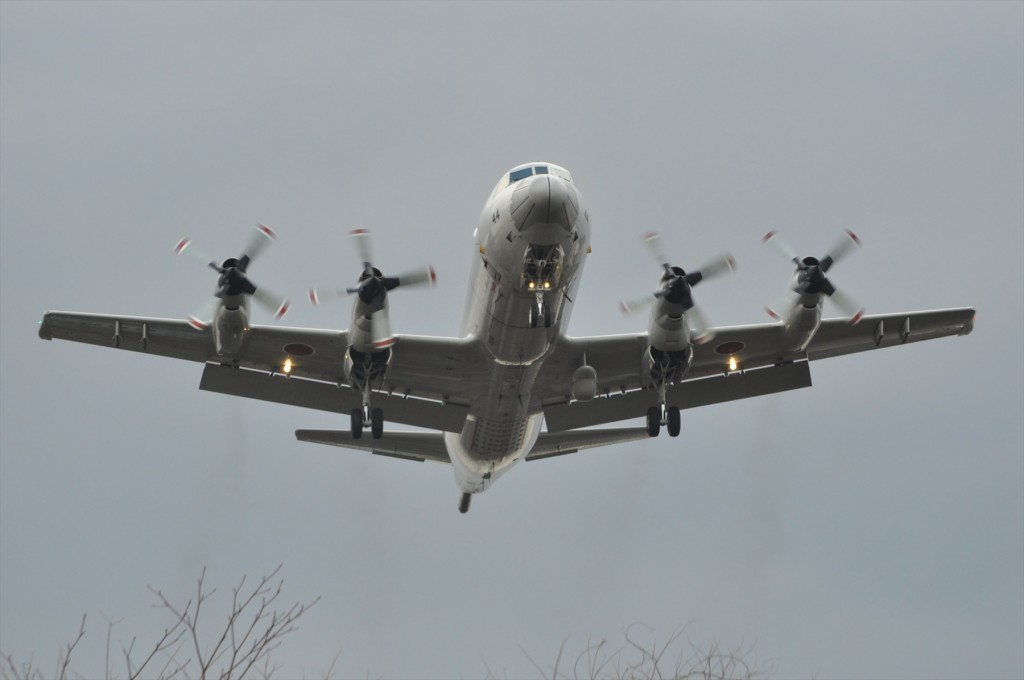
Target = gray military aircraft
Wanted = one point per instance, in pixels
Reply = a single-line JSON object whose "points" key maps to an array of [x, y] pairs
{"points": [[512, 385]]}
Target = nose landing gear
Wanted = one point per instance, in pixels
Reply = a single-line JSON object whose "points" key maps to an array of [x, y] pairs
{"points": [[464, 502]]}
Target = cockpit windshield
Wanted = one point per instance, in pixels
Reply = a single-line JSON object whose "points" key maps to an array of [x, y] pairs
{"points": [[529, 170]]}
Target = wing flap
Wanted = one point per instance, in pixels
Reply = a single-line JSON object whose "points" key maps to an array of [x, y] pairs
{"points": [[324, 396], [406, 445], [689, 394]]}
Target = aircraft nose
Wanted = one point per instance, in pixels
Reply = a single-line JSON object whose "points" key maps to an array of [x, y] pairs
{"points": [[545, 205]]}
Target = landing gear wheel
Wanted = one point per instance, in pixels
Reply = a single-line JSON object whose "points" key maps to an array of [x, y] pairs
{"points": [[653, 421], [377, 423], [357, 423], [674, 421], [533, 317], [547, 317]]}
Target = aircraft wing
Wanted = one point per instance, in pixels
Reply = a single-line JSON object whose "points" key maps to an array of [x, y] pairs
{"points": [[425, 380], [764, 366]]}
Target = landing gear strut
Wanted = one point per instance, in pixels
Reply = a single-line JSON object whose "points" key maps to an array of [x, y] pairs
{"points": [[367, 417], [663, 415], [464, 502]]}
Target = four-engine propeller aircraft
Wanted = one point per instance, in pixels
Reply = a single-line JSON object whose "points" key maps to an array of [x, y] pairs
{"points": [[512, 385]]}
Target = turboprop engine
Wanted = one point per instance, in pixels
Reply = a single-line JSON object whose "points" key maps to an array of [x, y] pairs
{"points": [[227, 312], [676, 323], [369, 335]]}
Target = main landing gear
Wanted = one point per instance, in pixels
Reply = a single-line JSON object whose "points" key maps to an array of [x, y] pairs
{"points": [[464, 502], [362, 417], [663, 415]]}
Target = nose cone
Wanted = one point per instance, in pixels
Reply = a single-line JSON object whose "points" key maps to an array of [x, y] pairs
{"points": [[545, 208]]}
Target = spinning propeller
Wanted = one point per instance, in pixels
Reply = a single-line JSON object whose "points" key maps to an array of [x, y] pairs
{"points": [[677, 284], [810, 279], [233, 281], [373, 288]]}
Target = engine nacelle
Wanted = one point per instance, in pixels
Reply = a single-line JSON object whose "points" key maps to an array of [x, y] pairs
{"points": [[230, 327], [363, 367], [584, 383], [664, 367], [800, 326]]}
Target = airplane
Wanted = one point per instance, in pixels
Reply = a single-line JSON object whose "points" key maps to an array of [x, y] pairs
{"points": [[512, 385]]}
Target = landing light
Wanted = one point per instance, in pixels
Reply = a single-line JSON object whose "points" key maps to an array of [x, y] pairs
{"points": [[547, 284], [287, 367], [732, 364], [531, 285]]}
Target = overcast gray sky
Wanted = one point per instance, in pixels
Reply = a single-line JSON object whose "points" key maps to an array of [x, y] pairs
{"points": [[871, 526]]}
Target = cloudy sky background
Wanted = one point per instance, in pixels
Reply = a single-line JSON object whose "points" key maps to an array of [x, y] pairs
{"points": [[872, 526]]}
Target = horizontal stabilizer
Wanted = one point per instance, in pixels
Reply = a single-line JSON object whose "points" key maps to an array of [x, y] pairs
{"points": [[408, 445], [559, 443]]}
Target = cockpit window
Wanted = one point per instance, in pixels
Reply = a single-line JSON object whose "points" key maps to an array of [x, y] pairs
{"points": [[517, 175], [541, 169]]}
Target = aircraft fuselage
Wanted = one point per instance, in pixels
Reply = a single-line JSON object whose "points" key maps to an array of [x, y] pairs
{"points": [[532, 238]]}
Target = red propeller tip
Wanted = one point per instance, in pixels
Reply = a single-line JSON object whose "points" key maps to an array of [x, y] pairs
{"points": [[197, 324], [358, 232], [182, 244], [855, 319], [282, 310], [267, 230], [767, 237], [772, 313], [853, 237], [650, 235], [433, 276], [381, 344], [731, 261], [313, 299]]}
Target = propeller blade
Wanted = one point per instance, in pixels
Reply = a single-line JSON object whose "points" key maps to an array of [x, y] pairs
{"points": [[702, 332], [361, 242], [275, 303], [635, 305], [201, 318], [262, 237], [653, 242], [716, 267], [780, 246], [418, 277], [847, 306], [781, 309], [846, 243], [318, 296], [188, 249]]}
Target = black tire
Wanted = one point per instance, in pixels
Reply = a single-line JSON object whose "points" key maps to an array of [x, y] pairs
{"points": [[547, 316], [357, 423], [674, 421], [533, 317], [653, 421], [377, 423]]}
